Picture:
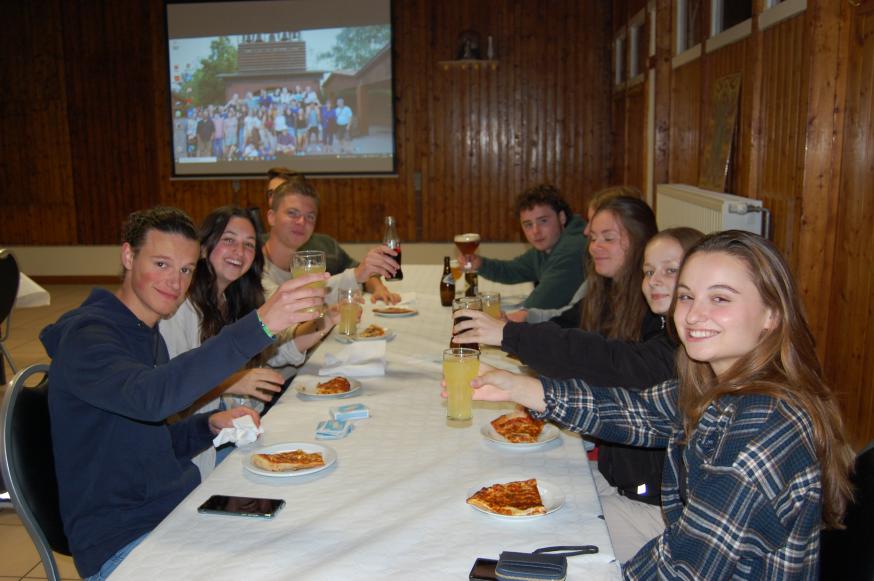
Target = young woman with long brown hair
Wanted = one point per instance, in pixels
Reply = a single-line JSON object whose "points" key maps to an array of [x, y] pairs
{"points": [[758, 461]]}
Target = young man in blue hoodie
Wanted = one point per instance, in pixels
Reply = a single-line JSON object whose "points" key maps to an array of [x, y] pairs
{"points": [[555, 263], [121, 468]]}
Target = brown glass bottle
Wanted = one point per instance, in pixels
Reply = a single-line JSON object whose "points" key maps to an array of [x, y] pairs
{"points": [[447, 284]]}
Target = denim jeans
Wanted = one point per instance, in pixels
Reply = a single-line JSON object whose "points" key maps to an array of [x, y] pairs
{"points": [[114, 561]]}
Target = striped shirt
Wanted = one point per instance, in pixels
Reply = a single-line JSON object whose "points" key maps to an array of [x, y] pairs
{"points": [[751, 507]]}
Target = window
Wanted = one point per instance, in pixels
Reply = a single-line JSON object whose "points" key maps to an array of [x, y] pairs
{"points": [[728, 13], [689, 14], [619, 59]]}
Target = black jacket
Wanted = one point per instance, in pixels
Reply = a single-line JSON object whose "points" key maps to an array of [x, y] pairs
{"points": [[573, 353]]}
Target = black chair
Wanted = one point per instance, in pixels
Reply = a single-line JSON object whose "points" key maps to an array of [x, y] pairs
{"points": [[848, 554], [28, 466], [9, 277]]}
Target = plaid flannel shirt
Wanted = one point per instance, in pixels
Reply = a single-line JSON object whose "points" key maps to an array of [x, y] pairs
{"points": [[752, 508]]}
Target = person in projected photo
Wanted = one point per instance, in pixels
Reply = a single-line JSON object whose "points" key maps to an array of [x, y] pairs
{"points": [[230, 141], [294, 206], [121, 467], [758, 461], [343, 121], [329, 123]]}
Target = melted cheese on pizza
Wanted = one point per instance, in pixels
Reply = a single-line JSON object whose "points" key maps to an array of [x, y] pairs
{"points": [[288, 461], [372, 331], [518, 498], [333, 386], [518, 427]]}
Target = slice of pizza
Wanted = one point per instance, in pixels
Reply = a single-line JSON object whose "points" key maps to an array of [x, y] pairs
{"points": [[334, 386], [288, 461], [372, 331], [393, 311], [517, 498], [518, 427]]}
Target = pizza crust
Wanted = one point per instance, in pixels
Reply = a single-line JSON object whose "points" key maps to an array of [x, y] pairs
{"points": [[288, 461]]}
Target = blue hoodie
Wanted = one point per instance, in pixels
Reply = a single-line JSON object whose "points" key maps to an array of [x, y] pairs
{"points": [[121, 468]]}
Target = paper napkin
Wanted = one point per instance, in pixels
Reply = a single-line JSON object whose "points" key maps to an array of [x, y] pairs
{"points": [[360, 359], [244, 432]]}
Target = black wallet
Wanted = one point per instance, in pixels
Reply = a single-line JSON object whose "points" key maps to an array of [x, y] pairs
{"points": [[539, 565]]}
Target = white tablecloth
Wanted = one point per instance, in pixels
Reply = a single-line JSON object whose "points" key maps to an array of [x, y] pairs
{"points": [[393, 506]]}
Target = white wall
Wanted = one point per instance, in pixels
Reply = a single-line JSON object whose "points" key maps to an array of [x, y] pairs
{"points": [[104, 260]]}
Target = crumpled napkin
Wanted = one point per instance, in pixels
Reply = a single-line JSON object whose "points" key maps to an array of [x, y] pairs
{"points": [[360, 359], [244, 432]]}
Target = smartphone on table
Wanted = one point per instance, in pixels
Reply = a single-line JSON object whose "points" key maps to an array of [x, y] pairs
{"points": [[483, 570], [241, 506]]}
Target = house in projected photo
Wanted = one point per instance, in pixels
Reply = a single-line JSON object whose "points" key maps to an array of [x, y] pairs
{"points": [[367, 90], [270, 62]]}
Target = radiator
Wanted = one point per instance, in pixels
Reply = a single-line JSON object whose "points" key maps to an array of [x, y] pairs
{"points": [[683, 205]]}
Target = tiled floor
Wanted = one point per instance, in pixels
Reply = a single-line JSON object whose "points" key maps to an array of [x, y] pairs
{"points": [[18, 556]]}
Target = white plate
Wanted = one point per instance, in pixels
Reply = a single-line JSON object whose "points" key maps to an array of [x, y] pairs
{"points": [[328, 454], [307, 388], [551, 495], [547, 435], [389, 335], [411, 313]]}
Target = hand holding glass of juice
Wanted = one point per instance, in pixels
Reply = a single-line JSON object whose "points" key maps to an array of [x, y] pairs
{"points": [[460, 366], [491, 304], [307, 261]]}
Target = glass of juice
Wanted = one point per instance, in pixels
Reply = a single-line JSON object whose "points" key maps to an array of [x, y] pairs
{"points": [[460, 366], [473, 303], [305, 262], [349, 303], [491, 304], [467, 245]]}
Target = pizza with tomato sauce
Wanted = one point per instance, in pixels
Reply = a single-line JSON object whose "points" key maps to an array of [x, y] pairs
{"points": [[288, 461], [334, 386], [518, 427], [517, 498]]}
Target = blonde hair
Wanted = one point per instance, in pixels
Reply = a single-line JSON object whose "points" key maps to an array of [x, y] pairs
{"points": [[784, 365]]}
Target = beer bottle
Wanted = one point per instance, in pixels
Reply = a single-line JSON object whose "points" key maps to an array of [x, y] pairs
{"points": [[472, 284], [447, 284], [393, 241]]}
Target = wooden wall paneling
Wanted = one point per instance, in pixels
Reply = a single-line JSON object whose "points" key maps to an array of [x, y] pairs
{"points": [[850, 366], [35, 165], [635, 140], [685, 123], [663, 76], [826, 58], [783, 121]]}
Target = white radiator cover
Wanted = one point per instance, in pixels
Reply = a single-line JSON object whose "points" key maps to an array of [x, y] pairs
{"points": [[708, 211]]}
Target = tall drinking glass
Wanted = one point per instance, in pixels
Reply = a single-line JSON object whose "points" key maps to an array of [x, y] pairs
{"points": [[305, 262], [472, 303], [349, 302], [460, 366], [491, 304], [467, 245]]}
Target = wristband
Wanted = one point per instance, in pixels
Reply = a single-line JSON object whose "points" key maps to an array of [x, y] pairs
{"points": [[267, 331]]}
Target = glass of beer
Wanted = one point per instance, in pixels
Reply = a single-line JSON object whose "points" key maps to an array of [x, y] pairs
{"points": [[491, 304], [305, 262], [455, 269], [349, 302], [460, 366], [467, 245], [473, 303]]}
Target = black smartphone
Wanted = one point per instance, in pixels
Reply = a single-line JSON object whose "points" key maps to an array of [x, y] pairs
{"points": [[483, 570], [242, 506]]}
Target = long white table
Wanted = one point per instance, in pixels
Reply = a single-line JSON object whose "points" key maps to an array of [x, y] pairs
{"points": [[393, 505]]}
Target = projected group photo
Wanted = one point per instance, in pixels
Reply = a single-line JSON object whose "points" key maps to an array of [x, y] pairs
{"points": [[260, 97]]}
